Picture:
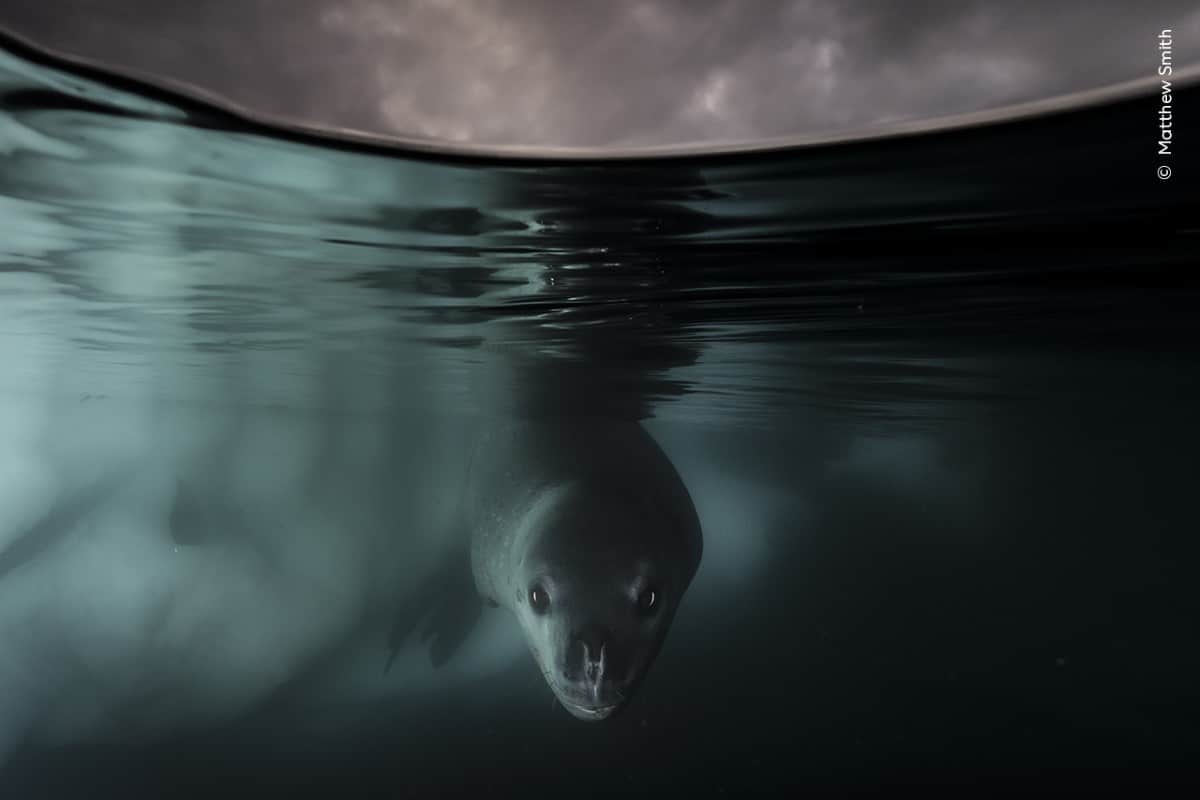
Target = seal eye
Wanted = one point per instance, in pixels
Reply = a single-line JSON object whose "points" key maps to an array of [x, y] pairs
{"points": [[539, 601], [648, 601]]}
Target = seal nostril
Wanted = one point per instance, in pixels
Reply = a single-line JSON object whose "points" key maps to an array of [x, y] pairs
{"points": [[591, 651]]}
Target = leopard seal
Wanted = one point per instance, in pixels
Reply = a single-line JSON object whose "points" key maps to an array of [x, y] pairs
{"points": [[584, 531]]}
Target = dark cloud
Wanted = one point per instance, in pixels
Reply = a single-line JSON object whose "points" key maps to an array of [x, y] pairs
{"points": [[624, 73]]}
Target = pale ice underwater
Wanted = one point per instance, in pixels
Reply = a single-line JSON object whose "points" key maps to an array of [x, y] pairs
{"points": [[820, 468], [192, 524], [175, 564]]}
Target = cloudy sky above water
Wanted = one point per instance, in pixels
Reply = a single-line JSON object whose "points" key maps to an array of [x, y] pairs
{"points": [[619, 73]]}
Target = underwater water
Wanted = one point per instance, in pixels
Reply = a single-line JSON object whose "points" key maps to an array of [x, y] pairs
{"points": [[932, 398]]}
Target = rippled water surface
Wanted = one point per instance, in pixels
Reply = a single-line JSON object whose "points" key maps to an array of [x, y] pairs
{"points": [[933, 399]]}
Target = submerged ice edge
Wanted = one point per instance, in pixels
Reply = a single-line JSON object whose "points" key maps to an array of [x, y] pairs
{"points": [[176, 94]]}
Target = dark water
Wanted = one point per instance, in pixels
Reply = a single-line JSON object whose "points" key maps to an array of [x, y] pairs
{"points": [[933, 398]]}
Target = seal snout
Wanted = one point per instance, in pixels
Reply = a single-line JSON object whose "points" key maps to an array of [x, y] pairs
{"points": [[588, 689], [588, 657]]}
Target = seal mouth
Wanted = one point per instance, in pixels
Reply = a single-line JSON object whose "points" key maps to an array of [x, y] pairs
{"points": [[588, 712], [593, 705]]}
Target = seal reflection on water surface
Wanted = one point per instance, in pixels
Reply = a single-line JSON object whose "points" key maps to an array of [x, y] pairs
{"points": [[583, 529]]}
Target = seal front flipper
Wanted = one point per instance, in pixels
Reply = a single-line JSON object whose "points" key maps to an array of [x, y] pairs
{"points": [[449, 607], [449, 625], [407, 618]]}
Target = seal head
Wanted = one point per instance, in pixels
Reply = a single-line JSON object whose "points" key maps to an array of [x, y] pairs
{"points": [[585, 532], [598, 582]]}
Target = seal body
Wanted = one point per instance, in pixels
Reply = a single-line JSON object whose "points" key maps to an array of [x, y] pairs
{"points": [[583, 529]]}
